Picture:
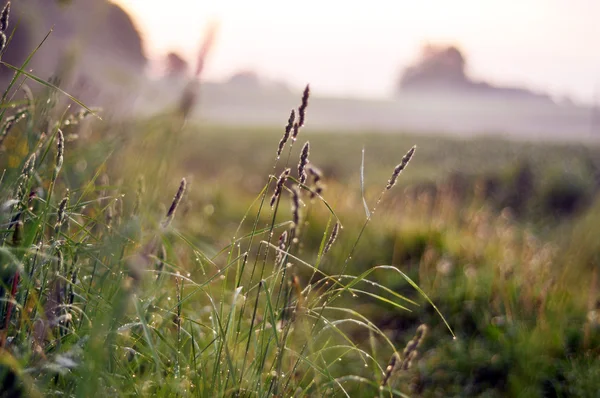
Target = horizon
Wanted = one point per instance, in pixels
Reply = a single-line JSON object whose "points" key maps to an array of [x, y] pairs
{"points": [[521, 44]]}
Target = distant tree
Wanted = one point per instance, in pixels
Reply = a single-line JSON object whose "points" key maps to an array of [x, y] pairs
{"points": [[436, 67], [443, 69], [245, 79], [176, 66]]}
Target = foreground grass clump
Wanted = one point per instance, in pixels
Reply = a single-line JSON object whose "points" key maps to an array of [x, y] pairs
{"points": [[106, 293]]}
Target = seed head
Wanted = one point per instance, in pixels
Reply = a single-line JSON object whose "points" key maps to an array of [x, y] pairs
{"points": [[11, 120], [4, 17], [295, 131], [286, 134], [61, 216], [175, 203], [389, 370], [410, 351], [334, 234], [303, 105], [295, 209], [316, 175], [29, 166], [303, 162], [281, 244], [400, 167], [60, 151], [279, 186]]}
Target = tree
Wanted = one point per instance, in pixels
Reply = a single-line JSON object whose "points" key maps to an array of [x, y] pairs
{"points": [[437, 67]]}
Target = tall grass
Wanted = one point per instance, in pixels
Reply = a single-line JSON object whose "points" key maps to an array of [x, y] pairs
{"points": [[105, 294]]}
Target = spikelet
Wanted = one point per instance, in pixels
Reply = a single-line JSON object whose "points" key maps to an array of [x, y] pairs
{"points": [[303, 105], [175, 203], [295, 211], [389, 370], [408, 356], [410, 351], [286, 134], [10, 122], [4, 17], [281, 244], [279, 186], [400, 167], [4, 25], [303, 162], [60, 151], [317, 176], [26, 173], [61, 215], [29, 166], [334, 234], [295, 131]]}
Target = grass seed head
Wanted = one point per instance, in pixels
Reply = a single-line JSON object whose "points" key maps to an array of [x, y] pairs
{"points": [[334, 234], [410, 351], [281, 244], [175, 203], [400, 167], [60, 152], [303, 105], [286, 134], [295, 131], [303, 162], [295, 210], [61, 214], [389, 370], [4, 17], [279, 186]]}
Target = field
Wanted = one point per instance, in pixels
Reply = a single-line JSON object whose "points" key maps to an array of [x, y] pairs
{"points": [[160, 256]]}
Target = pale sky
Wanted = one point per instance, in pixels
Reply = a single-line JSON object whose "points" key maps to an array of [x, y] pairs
{"points": [[357, 48]]}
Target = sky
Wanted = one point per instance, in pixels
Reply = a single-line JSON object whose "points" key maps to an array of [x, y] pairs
{"points": [[358, 48]]}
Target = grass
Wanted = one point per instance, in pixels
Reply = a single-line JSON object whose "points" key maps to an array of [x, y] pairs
{"points": [[143, 257], [102, 294]]}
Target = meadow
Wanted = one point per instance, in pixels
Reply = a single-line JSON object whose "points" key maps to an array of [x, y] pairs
{"points": [[167, 257]]}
